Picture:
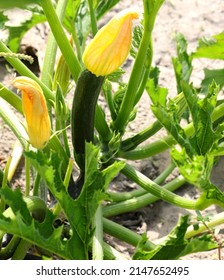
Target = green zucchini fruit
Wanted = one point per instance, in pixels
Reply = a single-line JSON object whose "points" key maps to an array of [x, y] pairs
{"points": [[82, 119]]}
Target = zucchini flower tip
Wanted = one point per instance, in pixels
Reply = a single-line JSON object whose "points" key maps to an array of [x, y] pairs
{"points": [[35, 111], [110, 47]]}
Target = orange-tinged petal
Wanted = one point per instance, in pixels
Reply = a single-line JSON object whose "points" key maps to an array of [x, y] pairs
{"points": [[111, 45], [35, 111]]}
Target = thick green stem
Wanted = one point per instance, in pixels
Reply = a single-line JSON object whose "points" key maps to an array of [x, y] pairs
{"points": [[156, 190], [218, 219], [4, 184], [101, 125], [143, 84], [143, 59], [61, 39], [65, 138], [118, 197], [51, 48], [112, 254], [165, 143], [125, 234], [136, 74], [135, 203], [21, 250], [77, 44], [97, 245], [7, 252], [16, 157], [107, 90], [36, 185], [27, 174], [93, 18], [109, 252], [134, 141]]}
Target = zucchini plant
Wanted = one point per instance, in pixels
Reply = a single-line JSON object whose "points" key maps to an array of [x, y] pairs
{"points": [[64, 208]]}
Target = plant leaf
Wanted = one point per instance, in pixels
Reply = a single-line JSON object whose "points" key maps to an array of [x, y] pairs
{"points": [[157, 94], [3, 19], [79, 212], [71, 14], [216, 75], [49, 169], [205, 136], [82, 23], [175, 245], [182, 63], [16, 3], [104, 6], [136, 41], [210, 48], [23, 225], [17, 32]]}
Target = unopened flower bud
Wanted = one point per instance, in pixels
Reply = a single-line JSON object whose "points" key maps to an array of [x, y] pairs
{"points": [[62, 74]]}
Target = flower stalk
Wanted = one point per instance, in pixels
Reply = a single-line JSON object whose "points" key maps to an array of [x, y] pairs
{"points": [[150, 11], [61, 39], [134, 203], [51, 48]]}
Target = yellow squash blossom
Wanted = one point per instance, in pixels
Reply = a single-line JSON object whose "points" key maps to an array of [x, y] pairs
{"points": [[111, 45], [35, 111]]}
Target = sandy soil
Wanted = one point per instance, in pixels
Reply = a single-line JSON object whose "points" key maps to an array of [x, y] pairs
{"points": [[193, 18]]}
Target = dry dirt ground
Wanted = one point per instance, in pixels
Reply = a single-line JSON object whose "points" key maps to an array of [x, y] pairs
{"points": [[193, 18]]}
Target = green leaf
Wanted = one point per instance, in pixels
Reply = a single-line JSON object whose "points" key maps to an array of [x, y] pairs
{"points": [[17, 32], [182, 63], [79, 212], [216, 75], [201, 111], [157, 94], [204, 134], [118, 96], [82, 23], [195, 169], [17, 204], [191, 97], [175, 245], [4, 4], [3, 19], [71, 14], [210, 48], [105, 6], [154, 74], [136, 41], [116, 75], [72, 8], [211, 195], [23, 225], [168, 114], [49, 169], [199, 244]]}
